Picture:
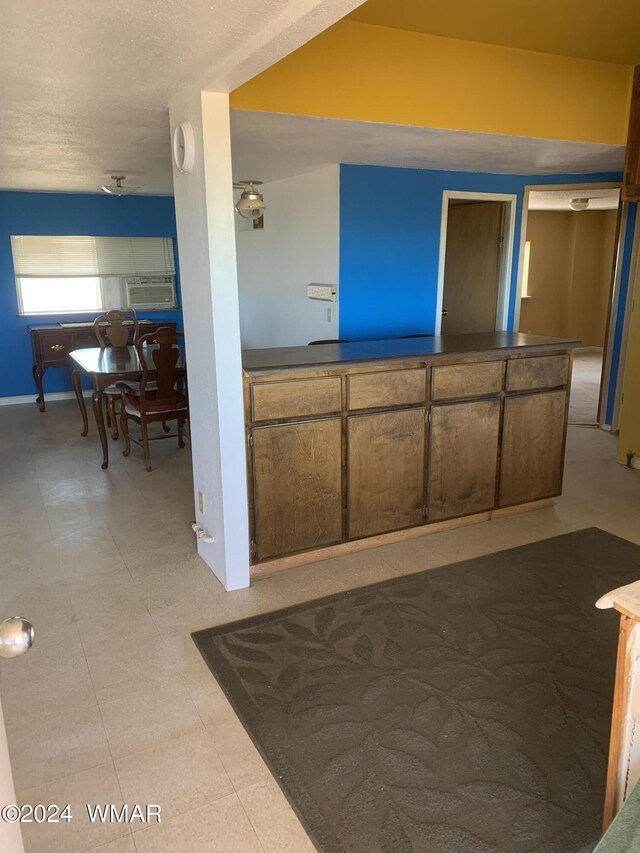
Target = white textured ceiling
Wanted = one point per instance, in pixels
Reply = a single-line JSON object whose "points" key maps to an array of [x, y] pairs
{"points": [[270, 146], [560, 199], [85, 86]]}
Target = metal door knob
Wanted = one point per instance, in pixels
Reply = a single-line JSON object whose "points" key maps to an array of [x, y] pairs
{"points": [[444, 312], [16, 636]]}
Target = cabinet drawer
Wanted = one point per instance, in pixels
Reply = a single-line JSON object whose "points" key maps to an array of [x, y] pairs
{"points": [[295, 398], [56, 347], [456, 381], [388, 388], [528, 374], [86, 338]]}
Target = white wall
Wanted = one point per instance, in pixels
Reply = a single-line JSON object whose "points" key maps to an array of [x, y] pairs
{"points": [[298, 246], [10, 835], [206, 245]]}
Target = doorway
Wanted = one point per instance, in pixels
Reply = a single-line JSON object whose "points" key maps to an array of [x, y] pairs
{"points": [[571, 239], [476, 247]]}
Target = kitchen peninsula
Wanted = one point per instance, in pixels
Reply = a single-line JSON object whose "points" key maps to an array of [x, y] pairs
{"points": [[354, 445]]}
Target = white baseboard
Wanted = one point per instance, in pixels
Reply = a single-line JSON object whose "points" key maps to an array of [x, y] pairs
{"points": [[48, 398]]}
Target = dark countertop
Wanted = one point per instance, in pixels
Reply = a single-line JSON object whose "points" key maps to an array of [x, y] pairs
{"points": [[322, 355]]}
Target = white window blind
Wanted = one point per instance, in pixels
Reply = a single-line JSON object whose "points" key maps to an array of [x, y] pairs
{"points": [[66, 257]]}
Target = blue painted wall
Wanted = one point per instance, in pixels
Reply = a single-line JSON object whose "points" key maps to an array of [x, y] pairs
{"points": [[390, 241], [389, 254], [62, 214]]}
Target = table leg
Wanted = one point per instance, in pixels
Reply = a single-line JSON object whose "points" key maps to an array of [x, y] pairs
{"points": [[38, 373], [96, 398], [75, 378]]}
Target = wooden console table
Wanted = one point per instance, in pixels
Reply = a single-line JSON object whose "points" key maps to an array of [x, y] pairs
{"points": [[53, 343]]}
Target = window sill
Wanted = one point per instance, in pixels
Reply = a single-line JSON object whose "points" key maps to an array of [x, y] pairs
{"points": [[94, 313]]}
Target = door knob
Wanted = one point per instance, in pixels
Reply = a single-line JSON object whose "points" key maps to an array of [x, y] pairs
{"points": [[16, 636], [444, 312]]}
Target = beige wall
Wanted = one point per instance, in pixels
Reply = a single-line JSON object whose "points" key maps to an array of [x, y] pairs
{"points": [[569, 274]]}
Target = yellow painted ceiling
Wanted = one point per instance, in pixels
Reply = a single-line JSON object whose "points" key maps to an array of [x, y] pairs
{"points": [[606, 30]]}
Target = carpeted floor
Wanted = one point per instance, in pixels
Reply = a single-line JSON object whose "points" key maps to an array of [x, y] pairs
{"points": [[464, 709]]}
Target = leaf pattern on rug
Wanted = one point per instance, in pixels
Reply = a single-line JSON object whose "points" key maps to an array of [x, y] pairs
{"points": [[466, 708]]}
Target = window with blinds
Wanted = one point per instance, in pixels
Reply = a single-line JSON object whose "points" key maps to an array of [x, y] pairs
{"points": [[82, 274]]}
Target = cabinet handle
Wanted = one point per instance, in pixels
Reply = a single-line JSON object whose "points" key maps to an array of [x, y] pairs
{"points": [[57, 347]]}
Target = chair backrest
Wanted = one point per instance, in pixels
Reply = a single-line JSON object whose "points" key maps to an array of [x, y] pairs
{"points": [[329, 341], [159, 353], [110, 327]]}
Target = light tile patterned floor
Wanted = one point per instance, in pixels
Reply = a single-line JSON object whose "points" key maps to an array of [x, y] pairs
{"points": [[114, 703], [585, 387]]}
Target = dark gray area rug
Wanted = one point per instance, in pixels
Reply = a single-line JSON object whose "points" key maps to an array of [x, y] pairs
{"points": [[465, 709]]}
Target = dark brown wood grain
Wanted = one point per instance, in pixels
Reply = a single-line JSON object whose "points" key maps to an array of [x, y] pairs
{"points": [[386, 389], [463, 458], [532, 447], [527, 374], [297, 470], [296, 399], [453, 381], [385, 471]]}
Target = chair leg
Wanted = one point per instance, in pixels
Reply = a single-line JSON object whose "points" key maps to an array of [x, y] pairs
{"points": [[145, 445], [180, 432], [113, 420], [124, 426], [166, 427]]}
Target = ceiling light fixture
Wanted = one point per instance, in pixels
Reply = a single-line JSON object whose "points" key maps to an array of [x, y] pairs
{"points": [[579, 203], [116, 187], [251, 204]]}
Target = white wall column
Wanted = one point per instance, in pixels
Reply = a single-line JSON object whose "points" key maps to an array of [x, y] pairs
{"points": [[206, 247]]}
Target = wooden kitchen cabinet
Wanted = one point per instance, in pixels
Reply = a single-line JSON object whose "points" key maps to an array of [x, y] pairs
{"points": [[463, 458], [385, 471], [297, 471], [372, 442], [532, 454]]}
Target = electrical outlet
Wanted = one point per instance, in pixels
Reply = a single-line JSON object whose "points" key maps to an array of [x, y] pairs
{"points": [[201, 502], [328, 315]]}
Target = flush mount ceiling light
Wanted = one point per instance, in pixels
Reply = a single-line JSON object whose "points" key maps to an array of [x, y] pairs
{"points": [[579, 203], [116, 187], [251, 204]]}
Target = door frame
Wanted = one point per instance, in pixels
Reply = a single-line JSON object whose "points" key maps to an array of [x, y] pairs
{"points": [[614, 292], [506, 259]]}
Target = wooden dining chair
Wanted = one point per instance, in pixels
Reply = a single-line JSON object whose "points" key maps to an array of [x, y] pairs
{"points": [[112, 328], [161, 394]]}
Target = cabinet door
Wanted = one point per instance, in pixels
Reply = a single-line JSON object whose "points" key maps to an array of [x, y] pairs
{"points": [[297, 470], [532, 447], [463, 458], [385, 471]]}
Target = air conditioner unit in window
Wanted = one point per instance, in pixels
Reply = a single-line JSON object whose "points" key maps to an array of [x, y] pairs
{"points": [[150, 292]]}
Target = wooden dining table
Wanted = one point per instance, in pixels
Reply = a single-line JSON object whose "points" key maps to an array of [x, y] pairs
{"points": [[106, 366]]}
